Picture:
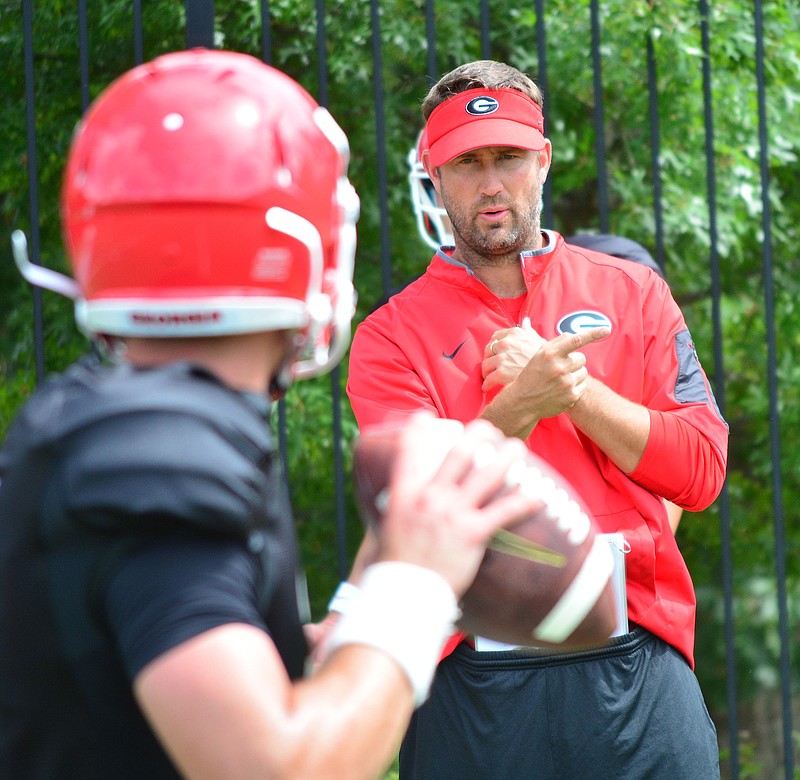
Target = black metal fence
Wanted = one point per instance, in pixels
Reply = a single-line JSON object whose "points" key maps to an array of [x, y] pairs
{"points": [[776, 756]]}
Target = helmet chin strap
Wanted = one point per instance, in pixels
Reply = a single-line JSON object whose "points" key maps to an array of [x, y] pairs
{"points": [[282, 379], [280, 383]]}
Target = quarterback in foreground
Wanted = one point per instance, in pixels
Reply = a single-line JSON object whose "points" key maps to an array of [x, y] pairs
{"points": [[149, 620]]}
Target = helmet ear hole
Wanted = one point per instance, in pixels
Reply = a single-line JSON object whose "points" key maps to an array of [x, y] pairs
{"points": [[206, 193]]}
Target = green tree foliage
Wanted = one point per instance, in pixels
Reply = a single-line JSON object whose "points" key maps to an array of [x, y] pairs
{"points": [[380, 112]]}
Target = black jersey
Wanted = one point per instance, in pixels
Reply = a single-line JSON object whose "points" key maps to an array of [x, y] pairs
{"points": [[138, 508]]}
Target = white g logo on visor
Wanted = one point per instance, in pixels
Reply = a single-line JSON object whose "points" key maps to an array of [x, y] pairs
{"points": [[482, 105]]}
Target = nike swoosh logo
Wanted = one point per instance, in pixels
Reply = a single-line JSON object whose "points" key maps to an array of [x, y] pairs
{"points": [[455, 351]]}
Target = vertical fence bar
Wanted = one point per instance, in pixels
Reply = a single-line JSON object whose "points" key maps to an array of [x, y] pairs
{"points": [[541, 78], [266, 32], [338, 470], [199, 23], [322, 55], [774, 416], [719, 390], [282, 426], [430, 36], [138, 33], [283, 441], [33, 182], [486, 38], [599, 119], [83, 67], [380, 143], [335, 375], [655, 151], [83, 53]]}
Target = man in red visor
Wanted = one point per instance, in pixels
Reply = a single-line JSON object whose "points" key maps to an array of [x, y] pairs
{"points": [[490, 330]]}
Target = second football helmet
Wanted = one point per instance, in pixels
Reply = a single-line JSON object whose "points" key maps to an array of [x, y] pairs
{"points": [[433, 223]]}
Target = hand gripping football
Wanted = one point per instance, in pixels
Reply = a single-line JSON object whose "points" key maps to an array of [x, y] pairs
{"points": [[544, 581]]}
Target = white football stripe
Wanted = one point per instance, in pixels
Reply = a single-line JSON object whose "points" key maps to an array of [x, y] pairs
{"points": [[578, 599]]}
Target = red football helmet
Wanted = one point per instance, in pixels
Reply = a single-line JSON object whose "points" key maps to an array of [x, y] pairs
{"points": [[206, 193], [433, 223]]}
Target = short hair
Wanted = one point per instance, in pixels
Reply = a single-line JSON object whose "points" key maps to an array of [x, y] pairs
{"points": [[480, 74]]}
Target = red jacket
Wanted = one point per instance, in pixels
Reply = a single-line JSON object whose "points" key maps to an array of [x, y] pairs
{"points": [[424, 349]]}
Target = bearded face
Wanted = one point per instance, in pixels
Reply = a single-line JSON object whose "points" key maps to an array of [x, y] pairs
{"points": [[494, 200]]}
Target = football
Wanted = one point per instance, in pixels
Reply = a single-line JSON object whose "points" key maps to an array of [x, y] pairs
{"points": [[545, 581]]}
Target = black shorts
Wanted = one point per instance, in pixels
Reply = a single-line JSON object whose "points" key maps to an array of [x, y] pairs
{"points": [[631, 710]]}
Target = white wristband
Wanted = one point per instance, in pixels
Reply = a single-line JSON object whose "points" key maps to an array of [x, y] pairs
{"points": [[345, 593], [406, 611]]}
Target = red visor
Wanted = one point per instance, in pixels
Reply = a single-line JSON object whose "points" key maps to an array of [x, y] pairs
{"points": [[484, 117]]}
